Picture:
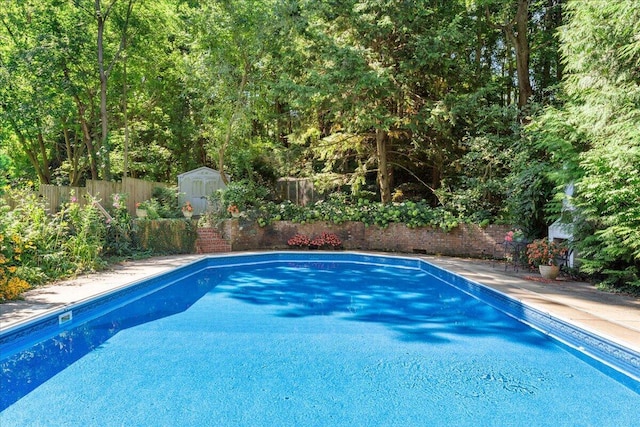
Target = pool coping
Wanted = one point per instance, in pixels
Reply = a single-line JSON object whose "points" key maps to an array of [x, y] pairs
{"points": [[612, 316], [538, 298]]}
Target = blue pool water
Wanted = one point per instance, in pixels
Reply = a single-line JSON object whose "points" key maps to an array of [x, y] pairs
{"points": [[291, 339]]}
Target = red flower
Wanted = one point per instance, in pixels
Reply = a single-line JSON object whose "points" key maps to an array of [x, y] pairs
{"points": [[326, 239], [299, 240], [544, 252]]}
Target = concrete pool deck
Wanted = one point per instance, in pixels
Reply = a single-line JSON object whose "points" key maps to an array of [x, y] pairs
{"points": [[613, 316]]}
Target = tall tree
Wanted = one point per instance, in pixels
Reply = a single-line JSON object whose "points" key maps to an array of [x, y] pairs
{"points": [[30, 104], [382, 81], [149, 81], [546, 59], [514, 25], [48, 59], [229, 63], [602, 52], [101, 16]]}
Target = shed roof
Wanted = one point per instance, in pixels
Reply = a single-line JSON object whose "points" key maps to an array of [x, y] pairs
{"points": [[203, 170]]}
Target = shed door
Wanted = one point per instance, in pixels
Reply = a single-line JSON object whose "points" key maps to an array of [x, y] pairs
{"points": [[198, 195]]}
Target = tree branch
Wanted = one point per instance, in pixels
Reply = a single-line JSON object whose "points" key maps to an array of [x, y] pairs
{"points": [[123, 39]]}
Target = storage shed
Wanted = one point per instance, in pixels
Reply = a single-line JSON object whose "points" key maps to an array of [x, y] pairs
{"points": [[197, 185]]}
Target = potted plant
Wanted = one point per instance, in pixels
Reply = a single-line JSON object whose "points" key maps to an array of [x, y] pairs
{"points": [[187, 210], [234, 211], [142, 209], [546, 255]]}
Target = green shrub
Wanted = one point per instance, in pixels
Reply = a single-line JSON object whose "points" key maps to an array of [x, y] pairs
{"points": [[87, 231], [47, 247], [166, 202], [11, 284], [339, 208], [168, 236], [243, 194], [120, 239]]}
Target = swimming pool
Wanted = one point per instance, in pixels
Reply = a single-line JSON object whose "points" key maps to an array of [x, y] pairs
{"points": [[311, 339]]}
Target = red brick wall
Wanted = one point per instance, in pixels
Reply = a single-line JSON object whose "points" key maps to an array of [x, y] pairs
{"points": [[464, 240], [211, 240]]}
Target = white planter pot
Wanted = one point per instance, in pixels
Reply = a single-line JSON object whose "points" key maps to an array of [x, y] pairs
{"points": [[549, 271]]}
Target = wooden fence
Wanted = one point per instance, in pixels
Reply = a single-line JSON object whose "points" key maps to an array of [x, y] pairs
{"points": [[136, 190], [298, 190]]}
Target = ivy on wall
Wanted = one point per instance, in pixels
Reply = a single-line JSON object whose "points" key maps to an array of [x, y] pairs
{"points": [[167, 236]]}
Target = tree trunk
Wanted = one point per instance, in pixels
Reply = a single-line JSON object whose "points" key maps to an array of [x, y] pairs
{"points": [[86, 132], [515, 32], [125, 166], [234, 113], [32, 153], [101, 18], [74, 153], [104, 143], [42, 148], [557, 22], [86, 136], [522, 54], [382, 149]]}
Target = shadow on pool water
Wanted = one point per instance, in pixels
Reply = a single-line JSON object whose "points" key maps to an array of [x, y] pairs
{"points": [[413, 303]]}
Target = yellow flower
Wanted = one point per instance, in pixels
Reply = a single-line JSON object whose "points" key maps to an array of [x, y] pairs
{"points": [[12, 289]]}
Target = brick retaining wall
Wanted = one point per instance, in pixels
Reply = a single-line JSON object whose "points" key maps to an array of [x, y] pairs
{"points": [[464, 240]]}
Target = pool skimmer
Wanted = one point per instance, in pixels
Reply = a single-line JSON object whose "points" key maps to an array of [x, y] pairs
{"points": [[65, 317]]}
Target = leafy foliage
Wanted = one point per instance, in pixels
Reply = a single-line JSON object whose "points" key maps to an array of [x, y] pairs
{"points": [[167, 202], [168, 236], [243, 194], [87, 233], [412, 101], [339, 209], [603, 52], [36, 248], [120, 237]]}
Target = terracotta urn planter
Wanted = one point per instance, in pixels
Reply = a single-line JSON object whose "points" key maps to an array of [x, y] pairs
{"points": [[549, 271]]}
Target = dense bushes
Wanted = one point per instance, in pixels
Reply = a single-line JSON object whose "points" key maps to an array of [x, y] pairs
{"points": [[591, 139], [36, 247], [338, 209], [167, 236], [163, 203]]}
